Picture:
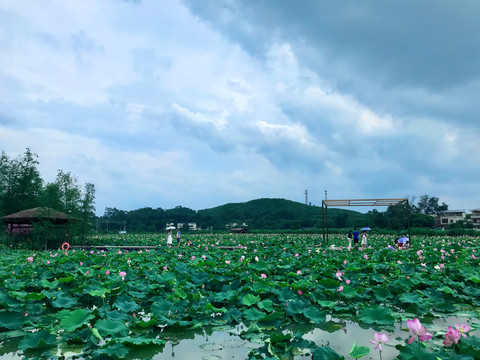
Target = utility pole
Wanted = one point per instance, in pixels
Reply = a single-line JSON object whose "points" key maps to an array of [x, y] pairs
{"points": [[306, 197]]}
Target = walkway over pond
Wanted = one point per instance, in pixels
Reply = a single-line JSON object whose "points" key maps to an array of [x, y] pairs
{"points": [[137, 247]]}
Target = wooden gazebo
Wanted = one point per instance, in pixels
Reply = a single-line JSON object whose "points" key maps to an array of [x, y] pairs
{"points": [[24, 222]]}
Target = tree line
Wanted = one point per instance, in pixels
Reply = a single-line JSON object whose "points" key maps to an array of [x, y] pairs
{"points": [[270, 214], [22, 188]]}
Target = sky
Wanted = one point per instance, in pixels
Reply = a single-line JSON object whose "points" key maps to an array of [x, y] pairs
{"points": [[202, 103]]}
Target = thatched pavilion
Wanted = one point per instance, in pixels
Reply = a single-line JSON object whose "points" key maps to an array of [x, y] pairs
{"points": [[24, 222]]}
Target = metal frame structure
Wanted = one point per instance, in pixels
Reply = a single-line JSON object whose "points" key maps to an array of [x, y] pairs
{"points": [[360, 202]]}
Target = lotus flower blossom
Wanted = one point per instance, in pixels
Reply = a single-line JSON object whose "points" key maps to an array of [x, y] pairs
{"points": [[379, 340], [299, 292], [417, 330], [451, 337], [463, 329], [30, 259], [299, 272], [263, 276], [340, 288], [339, 274], [107, 272], [122, 274]]}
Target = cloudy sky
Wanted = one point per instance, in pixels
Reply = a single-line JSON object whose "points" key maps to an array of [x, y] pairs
{"points": [[201, 103]]}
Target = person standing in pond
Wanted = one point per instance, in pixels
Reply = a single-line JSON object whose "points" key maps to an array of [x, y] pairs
{"points": [[179, 235], [355, 237], [169, 238], [349, 237], [364, 239]]}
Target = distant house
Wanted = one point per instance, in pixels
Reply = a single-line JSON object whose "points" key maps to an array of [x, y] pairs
{"points": [[449, 217], [475, 218], [236, 225], [191, 226]]}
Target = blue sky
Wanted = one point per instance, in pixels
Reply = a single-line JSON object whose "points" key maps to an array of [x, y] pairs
{"points": [[166, 103]]}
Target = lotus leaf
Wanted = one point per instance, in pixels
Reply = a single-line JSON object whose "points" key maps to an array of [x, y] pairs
{"points": [[72, 320], [38, 340]]}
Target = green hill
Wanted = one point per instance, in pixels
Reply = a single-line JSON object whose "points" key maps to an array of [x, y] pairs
{"points": [[278, 214], [260, 214]]}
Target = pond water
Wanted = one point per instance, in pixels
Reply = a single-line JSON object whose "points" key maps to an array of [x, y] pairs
{"points": [[227, 345]]}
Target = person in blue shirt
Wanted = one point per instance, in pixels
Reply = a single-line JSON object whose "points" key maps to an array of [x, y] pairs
{"points": [[355, 237], [179, 236]]}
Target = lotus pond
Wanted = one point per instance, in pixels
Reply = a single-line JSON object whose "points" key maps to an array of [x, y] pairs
{"points": [[263, 297]]}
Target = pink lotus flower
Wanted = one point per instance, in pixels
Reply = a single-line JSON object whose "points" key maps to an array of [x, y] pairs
{"points": [[122, 274], [451, 337], [227, 261], [338, 274], [365, 257], [347, 281], [463, 329], [30, 259], [299, 272], [107, 272], [379, 340], [299, 292], [263, 276], [340, 288], [417, 330], [344, 262], [81, 263], [48, 262]]}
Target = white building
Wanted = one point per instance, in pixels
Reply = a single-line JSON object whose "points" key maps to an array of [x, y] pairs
{"points": [[449, 217], [475, 218]]}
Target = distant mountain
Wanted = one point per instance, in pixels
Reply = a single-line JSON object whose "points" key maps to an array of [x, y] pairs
{"points": [[260, 214], [278, 214]]}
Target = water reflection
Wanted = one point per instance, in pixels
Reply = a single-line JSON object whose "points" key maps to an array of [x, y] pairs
{"points": [[215, 346], [221, 343]]}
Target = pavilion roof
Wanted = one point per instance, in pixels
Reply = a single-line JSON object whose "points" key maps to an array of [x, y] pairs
{"points": [[38, 213]]}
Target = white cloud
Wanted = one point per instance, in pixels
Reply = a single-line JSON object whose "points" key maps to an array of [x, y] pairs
{"points": [[218, 121]]}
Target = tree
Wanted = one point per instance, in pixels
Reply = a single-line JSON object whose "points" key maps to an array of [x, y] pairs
{"points": [[87, 209], [20, 182], [70, 193], [429, 205], [397, 216], [51, 197], [4, 172]]}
